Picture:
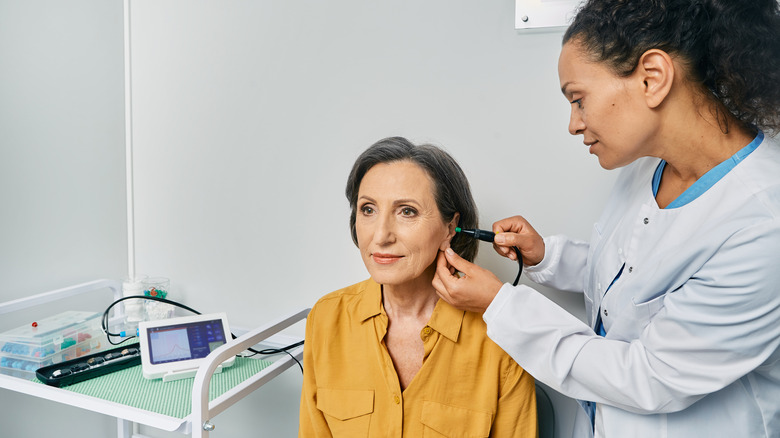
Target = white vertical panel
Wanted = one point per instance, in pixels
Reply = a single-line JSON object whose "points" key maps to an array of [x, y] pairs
{"points": [[62, 203]]}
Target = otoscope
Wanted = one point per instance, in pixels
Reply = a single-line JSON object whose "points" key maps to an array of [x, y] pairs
{"points": [[488, 236]]}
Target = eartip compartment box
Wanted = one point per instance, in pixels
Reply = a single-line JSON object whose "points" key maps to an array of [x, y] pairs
{"points": [[61, 337]]}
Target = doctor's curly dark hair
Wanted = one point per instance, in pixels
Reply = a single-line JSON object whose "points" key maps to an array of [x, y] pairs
{"points": [[731, 47]]}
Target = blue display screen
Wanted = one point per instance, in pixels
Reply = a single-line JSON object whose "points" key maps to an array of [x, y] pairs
{"points": [[192, 340]]}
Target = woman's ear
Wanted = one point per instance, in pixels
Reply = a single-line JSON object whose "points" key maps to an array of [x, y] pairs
{"points": [[451, 225], [656, 69]]}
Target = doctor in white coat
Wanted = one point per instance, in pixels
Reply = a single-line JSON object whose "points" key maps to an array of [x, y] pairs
{"points": [[681, 276]]}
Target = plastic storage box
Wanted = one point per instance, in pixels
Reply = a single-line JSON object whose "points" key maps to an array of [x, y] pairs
{"points": [[62, 337]]}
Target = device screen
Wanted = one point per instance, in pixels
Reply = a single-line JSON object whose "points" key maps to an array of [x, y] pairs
{"points": [[193, 340]]}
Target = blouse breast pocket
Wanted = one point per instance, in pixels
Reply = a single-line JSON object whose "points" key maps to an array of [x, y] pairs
{"points": [[347, 411], [440, 420]]}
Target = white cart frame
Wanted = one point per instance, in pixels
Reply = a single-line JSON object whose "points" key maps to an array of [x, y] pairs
{"points": [[202, 411]]}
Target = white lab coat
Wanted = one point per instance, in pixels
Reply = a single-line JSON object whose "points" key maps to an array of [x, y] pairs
{"points": [[693, 323]]}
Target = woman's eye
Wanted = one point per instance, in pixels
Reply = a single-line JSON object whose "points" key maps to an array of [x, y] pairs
{"points": [[408, 211], [578, 102], [366, 209]]}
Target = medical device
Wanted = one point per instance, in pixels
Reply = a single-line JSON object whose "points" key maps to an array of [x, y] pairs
{"points": [[128, 336], [488, 236], [174, 348]]}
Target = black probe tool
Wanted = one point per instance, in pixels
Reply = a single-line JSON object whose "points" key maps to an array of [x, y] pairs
{"points": [[488, 236]]}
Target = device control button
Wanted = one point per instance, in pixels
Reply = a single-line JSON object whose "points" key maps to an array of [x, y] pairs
{"points": [[132, 351], [110, 356]]}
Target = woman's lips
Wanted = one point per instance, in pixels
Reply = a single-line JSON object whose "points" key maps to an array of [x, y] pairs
{"points": [[385, 259]]}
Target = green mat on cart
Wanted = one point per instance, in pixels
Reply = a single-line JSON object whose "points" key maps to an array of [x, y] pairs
{"points": [[174, 399]]}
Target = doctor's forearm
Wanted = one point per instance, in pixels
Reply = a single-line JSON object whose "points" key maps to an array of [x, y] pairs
{"points": [[564, 353], [564, 264]]}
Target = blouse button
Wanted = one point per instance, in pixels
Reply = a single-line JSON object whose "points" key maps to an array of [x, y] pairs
{"points": [[646, 221], [630, 269], [427, 331], [606, 313], [396, 399]]}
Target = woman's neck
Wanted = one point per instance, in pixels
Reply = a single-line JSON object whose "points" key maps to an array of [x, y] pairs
{"points": [[416, 298], [692, 150], [699, 134]]}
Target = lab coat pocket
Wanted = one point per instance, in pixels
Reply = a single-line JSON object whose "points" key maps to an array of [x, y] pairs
{"points": [[647, 309], [440, 420], [632, 322], [347, 411]]}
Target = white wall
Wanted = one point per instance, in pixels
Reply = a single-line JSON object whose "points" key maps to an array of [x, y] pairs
{"points": [[249, 114], [62, 195], [247, 117]]}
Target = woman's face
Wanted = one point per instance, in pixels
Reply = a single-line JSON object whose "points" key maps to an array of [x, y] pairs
{"points": [[398, 224], [609, 111]]}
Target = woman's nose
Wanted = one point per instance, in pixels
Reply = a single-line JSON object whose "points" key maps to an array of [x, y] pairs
{"points": [[576, 124], [385, 229]]}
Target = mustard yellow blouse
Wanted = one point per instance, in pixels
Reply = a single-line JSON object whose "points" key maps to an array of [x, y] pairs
{"points": [[467, 386]]}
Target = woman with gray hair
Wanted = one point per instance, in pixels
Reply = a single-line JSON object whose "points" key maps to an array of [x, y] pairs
{"points": [[386, 356]]}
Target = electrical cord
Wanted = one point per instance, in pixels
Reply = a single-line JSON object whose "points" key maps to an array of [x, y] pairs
{"points": [[265, 352], [280, 350], [520, 262]]}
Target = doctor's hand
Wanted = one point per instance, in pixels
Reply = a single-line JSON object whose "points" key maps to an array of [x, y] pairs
{"points": [[516, 231], [474, 290]]}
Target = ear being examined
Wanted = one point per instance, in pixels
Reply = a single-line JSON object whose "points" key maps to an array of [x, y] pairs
{"points": [[451, 225]]}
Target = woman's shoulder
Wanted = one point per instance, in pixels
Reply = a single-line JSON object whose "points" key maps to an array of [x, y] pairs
{"points": [[351, 292], [762, 167], [756, 180], [348, 299]]}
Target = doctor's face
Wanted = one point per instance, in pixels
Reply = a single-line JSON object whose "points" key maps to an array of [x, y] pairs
{"points": [[398, 225], [608, 110]]}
